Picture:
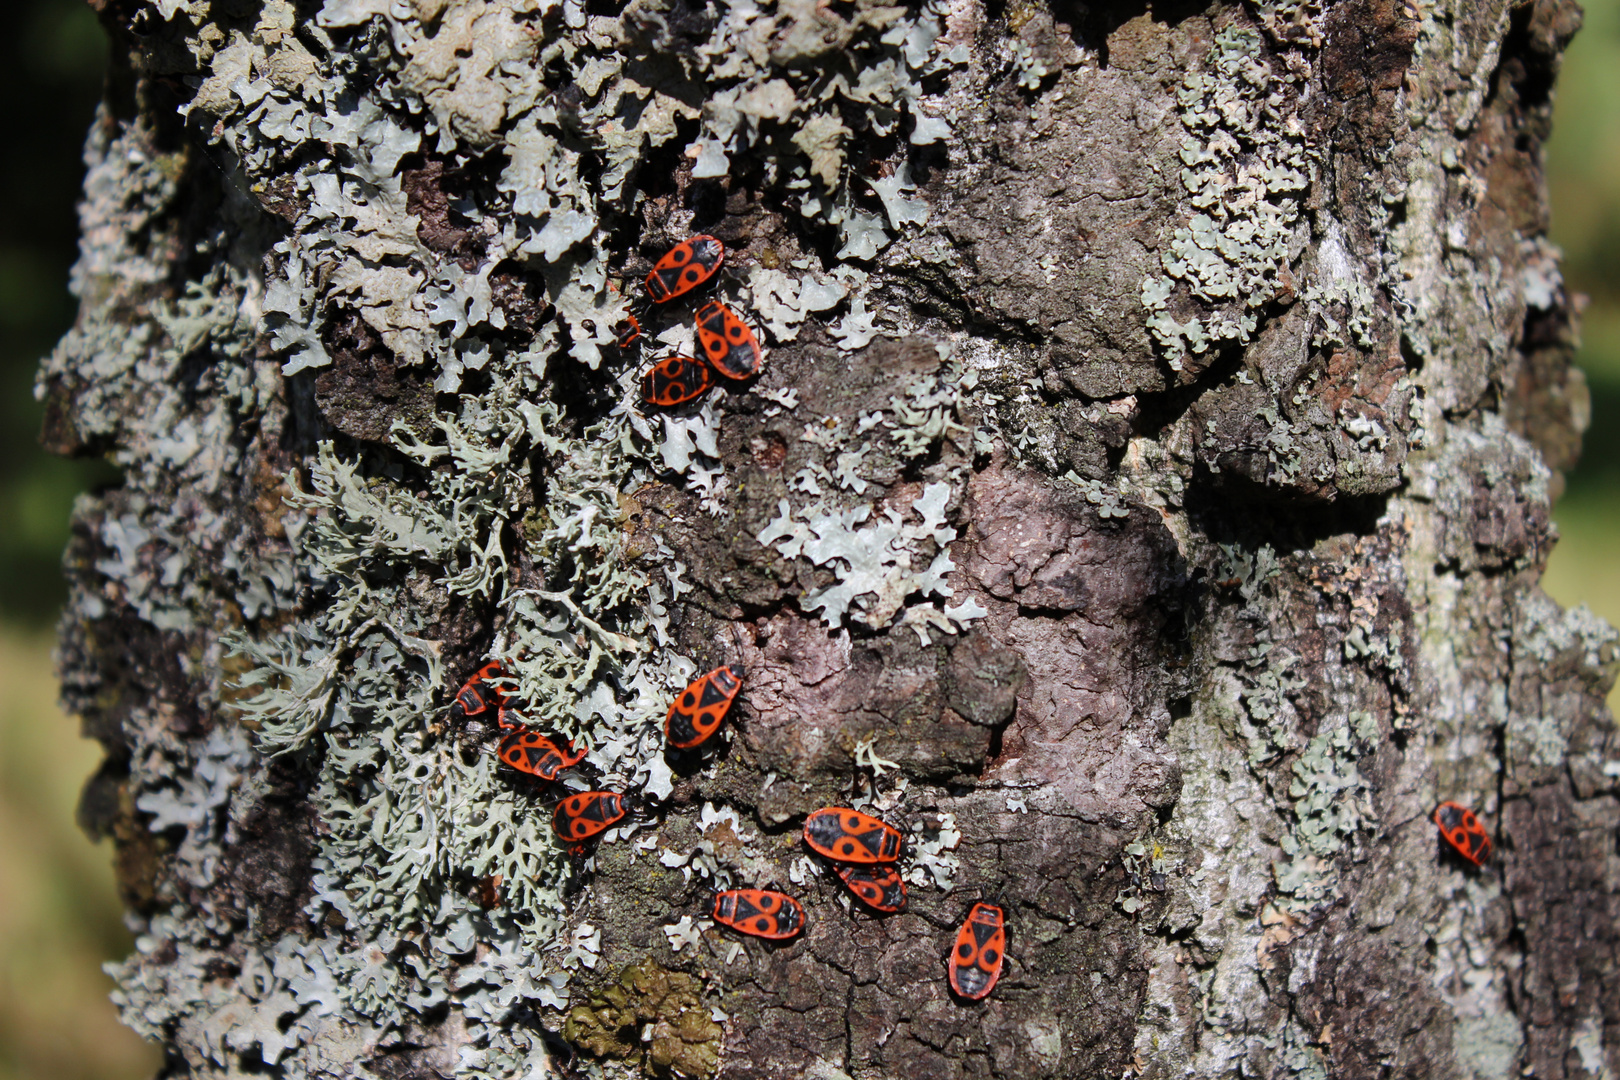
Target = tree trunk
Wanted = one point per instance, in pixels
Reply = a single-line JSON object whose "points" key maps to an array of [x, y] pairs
{"points": [[1141, 507]]}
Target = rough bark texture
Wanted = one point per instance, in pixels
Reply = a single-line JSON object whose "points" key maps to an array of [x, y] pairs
{"points": [[1142, 507]]}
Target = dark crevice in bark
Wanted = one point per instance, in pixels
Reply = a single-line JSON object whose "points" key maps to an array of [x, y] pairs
{"points": [[1159, 412], [1285, 525]]}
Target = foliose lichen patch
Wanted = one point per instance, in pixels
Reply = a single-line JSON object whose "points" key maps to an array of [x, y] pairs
{"points": [[1245, 169], [390, 250]]}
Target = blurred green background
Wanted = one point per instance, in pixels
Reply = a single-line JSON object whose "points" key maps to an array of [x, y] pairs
{"points": [[1583, 176], [59, 915]]}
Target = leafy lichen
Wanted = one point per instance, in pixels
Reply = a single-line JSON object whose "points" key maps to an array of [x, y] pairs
{"points": [[331, 629], [1245, 170]]}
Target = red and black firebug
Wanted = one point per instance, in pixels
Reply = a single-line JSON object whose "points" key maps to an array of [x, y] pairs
{"points": [[696, 714], [764, 913], [877, 885], [981, 944], [845, 835], [585, 815], [479, 697], [686, 266], [1462, 829], [526, 750], [628, 330], [727, 343], [675, 380]]}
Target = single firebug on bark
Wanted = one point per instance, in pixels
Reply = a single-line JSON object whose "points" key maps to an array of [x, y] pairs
{"points": [[975, 962], [526, 750], [1461, 829], [698, 711], [763, 913], [479, 695], [850, 836]]}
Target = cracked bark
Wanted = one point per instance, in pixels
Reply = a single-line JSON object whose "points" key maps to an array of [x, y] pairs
{"points": [[1133, 738]]}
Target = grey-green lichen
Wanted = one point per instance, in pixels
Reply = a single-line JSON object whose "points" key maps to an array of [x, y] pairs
{"points": [[781, 82], [352, 690], [1245, 170], [1292, 22], [882, 559]]}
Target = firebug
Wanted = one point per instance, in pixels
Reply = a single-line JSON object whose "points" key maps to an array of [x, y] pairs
{"points": [[686, 266], [975, 962], [480, 694], [763, 913], [675, 380], [728, 344], [845, 835], [628, 331], [698, 711], [526, 750], [877, 885], [586, 814], [1462, 829]]}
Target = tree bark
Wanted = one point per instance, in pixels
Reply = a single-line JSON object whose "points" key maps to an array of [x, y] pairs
{"points": [[1141, 507]]}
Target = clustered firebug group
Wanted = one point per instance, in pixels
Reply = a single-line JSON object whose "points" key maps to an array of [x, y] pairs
{"points": [[729, 347], [578, 818], [864, 851]]}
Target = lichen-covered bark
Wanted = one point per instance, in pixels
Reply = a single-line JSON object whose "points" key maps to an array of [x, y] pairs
{"points": [[1141, 507]]}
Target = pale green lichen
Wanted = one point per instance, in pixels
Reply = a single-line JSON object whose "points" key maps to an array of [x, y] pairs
{"points": [[1245, 170], [1292, 22], [1110, 501], [1269, 682], [353, 689], [1336, 293], [790, 84], [1549, 635], [1332, 801]]}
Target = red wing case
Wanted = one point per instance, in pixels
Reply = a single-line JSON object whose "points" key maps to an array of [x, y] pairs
{"points": [[686, 266], [675, 380], [1462, 829], [527, 750], [845, 835], [697, 713], [479, 696], [975, 962], [628, 331], [586, 814], [727, 343], [877, 885], [763, 913]]}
